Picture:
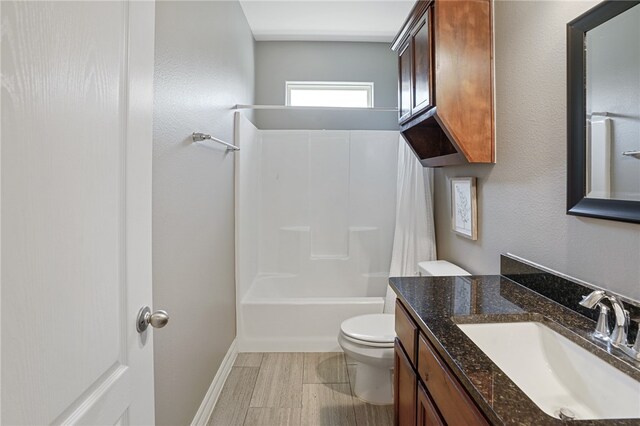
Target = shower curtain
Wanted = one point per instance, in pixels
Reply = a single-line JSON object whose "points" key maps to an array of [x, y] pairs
{"points": [[414, 239]]}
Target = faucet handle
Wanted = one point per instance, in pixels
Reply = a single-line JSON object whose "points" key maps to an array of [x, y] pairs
{"points": [[602, 327], [636, 345], [627, 322], [633, 351], [592, 299], [619, 334]]}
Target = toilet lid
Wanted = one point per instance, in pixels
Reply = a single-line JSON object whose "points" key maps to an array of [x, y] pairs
{"points": [[375, 328]]}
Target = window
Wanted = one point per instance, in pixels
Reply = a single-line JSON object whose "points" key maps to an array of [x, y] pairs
{"points": [[329, 94]]}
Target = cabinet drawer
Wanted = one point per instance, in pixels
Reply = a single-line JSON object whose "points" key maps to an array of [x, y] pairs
{"points": [[455, 406], [406, 331]]}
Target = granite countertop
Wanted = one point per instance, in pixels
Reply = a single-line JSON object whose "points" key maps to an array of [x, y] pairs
{"points": [[437, 304]]}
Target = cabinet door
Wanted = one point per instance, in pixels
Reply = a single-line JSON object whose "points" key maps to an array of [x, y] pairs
{"points": [[404, 89], [463, 75], [404, 386], [422, 87], [427, 413]]}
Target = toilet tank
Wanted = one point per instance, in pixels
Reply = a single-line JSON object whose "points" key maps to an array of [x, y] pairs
{"points": [[438, 268]]}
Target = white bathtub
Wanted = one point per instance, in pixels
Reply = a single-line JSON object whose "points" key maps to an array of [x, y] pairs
{"points": [[283, 313]]}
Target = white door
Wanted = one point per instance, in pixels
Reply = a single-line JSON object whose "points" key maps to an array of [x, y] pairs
{"points": [[76, 212]]}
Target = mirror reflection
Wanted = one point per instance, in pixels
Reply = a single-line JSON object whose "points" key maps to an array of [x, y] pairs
{"points": [[612, 81]]}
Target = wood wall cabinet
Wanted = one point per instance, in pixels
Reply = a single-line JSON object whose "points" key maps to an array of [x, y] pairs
{"points": [[404, 88], [445, 89], [421, 69], [415, 61], [426, 392]]}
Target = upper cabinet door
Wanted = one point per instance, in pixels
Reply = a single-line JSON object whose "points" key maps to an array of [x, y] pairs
{"points": [[423, 96], [463, 75], [404, 92]]}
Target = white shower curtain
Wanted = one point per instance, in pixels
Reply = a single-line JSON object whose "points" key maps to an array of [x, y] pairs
{"points": [[414, 239]]}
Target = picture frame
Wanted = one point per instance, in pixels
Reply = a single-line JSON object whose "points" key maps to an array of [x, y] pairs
{"points": [[464, 207]]}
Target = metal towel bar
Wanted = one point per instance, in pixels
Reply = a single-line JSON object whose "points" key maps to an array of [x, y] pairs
{"points": [[635, 153], [199, 137]]}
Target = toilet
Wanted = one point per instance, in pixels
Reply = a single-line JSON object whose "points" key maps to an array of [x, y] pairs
{"points": [[368, 340]]}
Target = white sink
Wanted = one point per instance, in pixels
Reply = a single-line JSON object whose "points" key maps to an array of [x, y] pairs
{"points": [[557, 373]]}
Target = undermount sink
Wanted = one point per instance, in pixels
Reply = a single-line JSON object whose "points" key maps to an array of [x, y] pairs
{"points": [[556, 373]]}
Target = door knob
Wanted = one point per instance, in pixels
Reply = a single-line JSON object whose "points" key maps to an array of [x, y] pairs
{"points": [[158, 319]]}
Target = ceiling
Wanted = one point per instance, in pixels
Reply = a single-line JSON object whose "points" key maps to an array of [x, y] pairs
{"points": [[329, 20]]}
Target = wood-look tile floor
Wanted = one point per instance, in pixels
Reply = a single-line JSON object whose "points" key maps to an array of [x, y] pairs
{"points": [[294, 389]]}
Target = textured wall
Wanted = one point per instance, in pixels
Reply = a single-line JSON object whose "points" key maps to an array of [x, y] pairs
{"points": [[522, 197], [204, 65], [280, 61]]}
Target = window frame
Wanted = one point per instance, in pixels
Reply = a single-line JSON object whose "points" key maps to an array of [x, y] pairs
{"points": [[367, 86]]}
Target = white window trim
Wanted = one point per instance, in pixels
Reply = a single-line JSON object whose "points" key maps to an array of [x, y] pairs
{"points": [[329, 85]]}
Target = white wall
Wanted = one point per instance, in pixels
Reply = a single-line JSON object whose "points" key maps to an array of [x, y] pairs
{"points": [[280, 61], [521, 199], [247, 209], [204, 66], [324, 205], [328, 200]]}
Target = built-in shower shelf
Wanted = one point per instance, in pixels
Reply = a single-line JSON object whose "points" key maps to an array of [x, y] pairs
{"points": [[328, 257], [376, 275], [313, 108]]}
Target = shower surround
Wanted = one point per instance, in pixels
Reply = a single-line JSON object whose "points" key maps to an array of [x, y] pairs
{"points": [[315, 215]]}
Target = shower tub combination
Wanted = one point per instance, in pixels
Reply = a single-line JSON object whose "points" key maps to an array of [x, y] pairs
{"points": [[290, 314], [314, 230]]}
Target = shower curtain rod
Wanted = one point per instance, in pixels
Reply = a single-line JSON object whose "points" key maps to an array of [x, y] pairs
{"points": [[314, 108]]}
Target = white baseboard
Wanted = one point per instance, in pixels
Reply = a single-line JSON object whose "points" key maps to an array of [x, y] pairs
{"points": [[213, 393]]}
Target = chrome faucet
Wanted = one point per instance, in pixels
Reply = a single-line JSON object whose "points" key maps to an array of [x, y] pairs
{"points": [[617, 338], [619, 334]]}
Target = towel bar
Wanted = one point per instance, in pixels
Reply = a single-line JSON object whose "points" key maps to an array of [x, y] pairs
{"points": [[199, 137]]}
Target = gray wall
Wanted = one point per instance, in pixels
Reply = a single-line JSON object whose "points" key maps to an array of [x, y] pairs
{"points": [[279, 61], [522, 197], [204, 66]]}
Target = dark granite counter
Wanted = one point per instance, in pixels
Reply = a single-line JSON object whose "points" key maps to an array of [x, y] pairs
{"points": [[437, 304]]}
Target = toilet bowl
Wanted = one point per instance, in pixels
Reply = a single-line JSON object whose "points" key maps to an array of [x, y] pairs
{"points": [[368, 340]]}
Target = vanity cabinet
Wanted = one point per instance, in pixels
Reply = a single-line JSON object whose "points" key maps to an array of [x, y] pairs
{"points": [[405, 382], [445, 87], [427, 412], [426, 392]]}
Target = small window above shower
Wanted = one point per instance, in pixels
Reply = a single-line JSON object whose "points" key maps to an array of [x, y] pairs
{"points": [[329, 94]]}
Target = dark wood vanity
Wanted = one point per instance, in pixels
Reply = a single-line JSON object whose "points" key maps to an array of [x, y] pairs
{"points": [[445, 88], [425, 391]]}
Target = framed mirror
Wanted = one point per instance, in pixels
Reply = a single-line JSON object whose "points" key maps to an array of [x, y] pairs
{"points": [[603, 83]]}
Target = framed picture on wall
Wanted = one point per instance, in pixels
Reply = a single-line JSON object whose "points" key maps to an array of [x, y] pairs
{"points": [[464, 207]]}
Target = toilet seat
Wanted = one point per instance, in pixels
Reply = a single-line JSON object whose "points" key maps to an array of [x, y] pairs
{"points": [[374, 330], [368, 344]]}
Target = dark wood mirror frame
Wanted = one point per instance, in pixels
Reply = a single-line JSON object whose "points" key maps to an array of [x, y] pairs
{"points": [[577, 203]]}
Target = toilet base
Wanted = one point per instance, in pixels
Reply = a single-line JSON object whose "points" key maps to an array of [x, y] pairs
{"points": [[373, 384]]}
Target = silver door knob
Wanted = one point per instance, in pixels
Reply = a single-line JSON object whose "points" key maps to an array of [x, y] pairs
{"points": [[158, 319]]}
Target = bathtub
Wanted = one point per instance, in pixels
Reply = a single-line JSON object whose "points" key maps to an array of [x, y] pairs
{"points": [[287, 313]]}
